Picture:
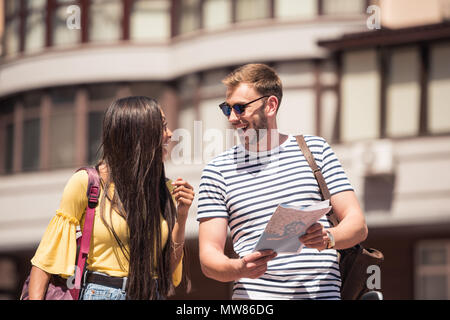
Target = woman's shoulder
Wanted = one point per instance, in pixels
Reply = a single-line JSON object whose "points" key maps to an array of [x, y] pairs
{"points": [[77, 182]]}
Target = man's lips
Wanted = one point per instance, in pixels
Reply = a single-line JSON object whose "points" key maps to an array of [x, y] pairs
{"points": [[241, 126]]}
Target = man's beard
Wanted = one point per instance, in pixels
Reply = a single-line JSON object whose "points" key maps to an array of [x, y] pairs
{"points": [[253, 138]]}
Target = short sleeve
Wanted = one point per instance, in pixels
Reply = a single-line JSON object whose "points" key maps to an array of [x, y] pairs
{"points": [[57, 250], [333, 172], [212, 190]]}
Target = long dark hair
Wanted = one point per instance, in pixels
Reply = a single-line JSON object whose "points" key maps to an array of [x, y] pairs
{"points": [[133, 154]]}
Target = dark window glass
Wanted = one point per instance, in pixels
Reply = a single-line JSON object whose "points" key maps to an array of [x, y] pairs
{"points": [[95, 136], [31, 138], [9, 148], [190, 15]]}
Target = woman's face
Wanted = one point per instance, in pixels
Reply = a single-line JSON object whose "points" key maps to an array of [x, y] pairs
{"points": [[167, 135]]}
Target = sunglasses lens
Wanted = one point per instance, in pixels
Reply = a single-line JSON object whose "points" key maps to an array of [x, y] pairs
{"points": [[239, 109], [226, 109]]}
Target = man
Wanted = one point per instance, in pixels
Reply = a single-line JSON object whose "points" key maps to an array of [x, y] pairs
{"points": [[242, 187]]}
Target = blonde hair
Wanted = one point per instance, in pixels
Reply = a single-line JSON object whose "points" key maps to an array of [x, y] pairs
{"points": [[263, 78]]}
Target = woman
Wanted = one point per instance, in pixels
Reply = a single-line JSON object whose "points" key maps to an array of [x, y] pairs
{"points": [[134, 218]]}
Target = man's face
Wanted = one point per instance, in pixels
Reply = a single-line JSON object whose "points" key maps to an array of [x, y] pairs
{"points": [[252, 124]]}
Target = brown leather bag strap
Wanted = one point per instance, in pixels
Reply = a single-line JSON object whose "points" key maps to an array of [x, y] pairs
{"points": [[317, 174]]}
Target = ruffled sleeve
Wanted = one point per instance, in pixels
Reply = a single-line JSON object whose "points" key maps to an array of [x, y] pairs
{"points": [[57, 250]]}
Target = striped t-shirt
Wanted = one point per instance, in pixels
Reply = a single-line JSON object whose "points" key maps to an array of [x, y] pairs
{"points": [[245, 188]]}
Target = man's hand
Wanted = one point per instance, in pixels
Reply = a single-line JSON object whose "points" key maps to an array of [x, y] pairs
{"points": [[315, 237], [254, 265]]}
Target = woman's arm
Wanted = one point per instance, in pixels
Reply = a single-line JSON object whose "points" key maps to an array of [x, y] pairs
{"points": [[183, 194], [38, 283]]}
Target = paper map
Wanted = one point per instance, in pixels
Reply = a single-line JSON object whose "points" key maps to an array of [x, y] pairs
{"points": [[287, 224]]}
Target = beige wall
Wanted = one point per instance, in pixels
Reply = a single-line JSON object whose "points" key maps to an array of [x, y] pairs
{"points": [[405, 13], [2, 21]]}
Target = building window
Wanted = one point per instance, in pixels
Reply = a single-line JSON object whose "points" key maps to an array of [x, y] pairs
{"points": [[8, 278], [360, 87], [216, 14], [12, 27], [294, 9], [62, 35], [150, 20], [95, 136], [31, 144], [403, 93], [7, 135], [35, 25], [252, 10], [338, 7], [439, 89], [100, 97], [190, 15], [105, 20], [433, 270], [328, 115], [9, 148], [62, 129], [103, 94]]}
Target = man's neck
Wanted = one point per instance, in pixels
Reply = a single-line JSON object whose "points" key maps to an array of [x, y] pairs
{"points": [[270, 141]]}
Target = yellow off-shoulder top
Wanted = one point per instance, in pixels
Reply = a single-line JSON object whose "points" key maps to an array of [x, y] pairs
{"points": [[56, 253]]}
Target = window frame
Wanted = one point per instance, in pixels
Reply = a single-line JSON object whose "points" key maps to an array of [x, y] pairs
{"points": [[422, 270]]}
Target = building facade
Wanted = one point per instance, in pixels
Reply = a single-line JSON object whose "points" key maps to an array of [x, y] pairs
{"points": [[379, 96]]}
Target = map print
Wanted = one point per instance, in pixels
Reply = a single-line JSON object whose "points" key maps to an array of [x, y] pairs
{"points": [[287, 224]]}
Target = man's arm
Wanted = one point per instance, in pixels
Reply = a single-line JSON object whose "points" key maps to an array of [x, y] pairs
{"points": [[351, 230], [216, 265]]}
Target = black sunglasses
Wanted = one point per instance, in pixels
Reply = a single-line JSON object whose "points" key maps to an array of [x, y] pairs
{"points": [[239, 108]]}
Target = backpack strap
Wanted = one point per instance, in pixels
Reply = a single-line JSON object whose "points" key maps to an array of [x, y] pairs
{"points": [[84, 242], [318, 175]]}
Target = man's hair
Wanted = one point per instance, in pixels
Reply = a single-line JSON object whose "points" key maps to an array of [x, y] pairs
{"points": [[263, 78]]}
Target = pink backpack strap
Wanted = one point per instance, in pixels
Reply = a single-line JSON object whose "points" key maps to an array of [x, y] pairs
{"points": [[84, 242]]}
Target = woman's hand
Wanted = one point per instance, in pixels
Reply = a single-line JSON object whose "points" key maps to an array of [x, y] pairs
{"points": [[184, 196]]}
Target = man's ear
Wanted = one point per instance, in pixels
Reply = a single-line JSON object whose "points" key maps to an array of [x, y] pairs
{"points": [[272, 106]]}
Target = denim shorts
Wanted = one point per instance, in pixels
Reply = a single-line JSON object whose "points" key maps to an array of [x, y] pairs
{"points": [[93, 291]]}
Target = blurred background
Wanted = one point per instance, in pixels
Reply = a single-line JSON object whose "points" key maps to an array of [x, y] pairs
{"points": [[374, 81]]}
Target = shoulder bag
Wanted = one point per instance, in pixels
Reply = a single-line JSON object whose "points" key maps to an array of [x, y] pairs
{"points": [[355, 261], [69, 289]]}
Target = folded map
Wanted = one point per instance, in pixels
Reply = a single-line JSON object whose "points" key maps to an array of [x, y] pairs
{"points": [[287, 224]]}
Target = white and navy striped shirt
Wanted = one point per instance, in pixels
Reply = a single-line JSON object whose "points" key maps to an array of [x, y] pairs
{"points": [[245, 188]]}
